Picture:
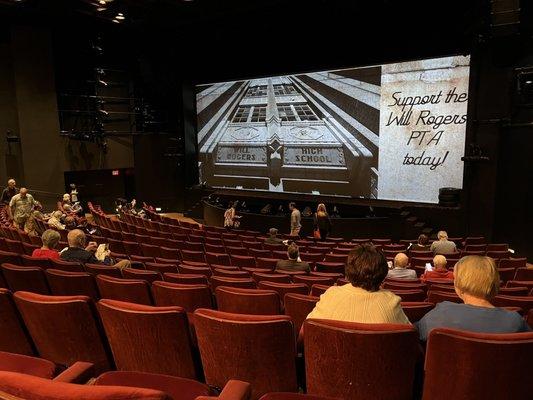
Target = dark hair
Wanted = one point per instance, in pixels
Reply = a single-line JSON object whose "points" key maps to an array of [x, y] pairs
{"points": [[292, 204], [422, 240], [293, 251], [366, 267]]}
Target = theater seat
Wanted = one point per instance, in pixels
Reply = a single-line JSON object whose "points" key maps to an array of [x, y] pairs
{"points": [[148, 339], [415, 310], [298, 307], [64, 283], [29, 279], [27, 365], [16, 386], [248, 301], [130, 290], [190, 297], [65, 329], [14, 337], [258, 349], [348, 360], [284, 288], [501, 365]]}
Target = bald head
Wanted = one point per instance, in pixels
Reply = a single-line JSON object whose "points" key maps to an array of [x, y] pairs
{"points": [[401, 260], [11, 183], [23, 192], [76, 238], [439, 262]]}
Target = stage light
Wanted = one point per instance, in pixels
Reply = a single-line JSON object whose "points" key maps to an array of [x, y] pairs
{"points": [[101, 9], [101, 82], [103, 112], [120, 16]]}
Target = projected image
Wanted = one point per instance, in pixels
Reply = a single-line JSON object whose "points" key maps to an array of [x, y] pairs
{"points": [[318, 132]]}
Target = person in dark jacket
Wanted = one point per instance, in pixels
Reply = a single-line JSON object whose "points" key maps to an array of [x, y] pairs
{"points": [[293, 263], [273, 237], [322, 221]]}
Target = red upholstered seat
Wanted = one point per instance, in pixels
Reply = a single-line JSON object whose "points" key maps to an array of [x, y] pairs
{"points": [[149, 276], [189, 269], [217, 258], [395, 285], [502, 365], [523, 283], [410, 294], [512, 262], [21, 386], [436, 297], [27, 365], [131, 290], [29, 279], [362, 354], [312, 257], [335, 267], [161, 267], [232, 282], [148, 339], [13, 335], [298, 307], [284, 288], [242, 260], [64, 283], [514, 291], [262, 262], [524, 302], [248, 301], [230, 273], [523, 274], [29, 261], [169, 253], [259, 349], [310, 280], [100, 269], [69, 266], [415, 310], [188, 296], [149, 250], [506, 274], [188, 279], [271, 277], [259, 253], [318, 289], [10, 258], [191, 255], [65, 329]]}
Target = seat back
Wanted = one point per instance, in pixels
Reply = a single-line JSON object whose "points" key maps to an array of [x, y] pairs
{"points": [[246, 283], [298, 307], [271, 277], [148, 339], [149, 276], [187, 279], [30, 279], [523, 274], [284, 288], [190, 297], [361, 354], [64, 283], [434, 296], [16, 386], [410, 294], [129, 290], [248, 301], [524, 302], [502, 361], [260, 349], [14, 337], [415, 310], [65, 329]]}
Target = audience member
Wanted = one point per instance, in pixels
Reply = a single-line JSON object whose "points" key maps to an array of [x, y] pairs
{"points": [[421, 244], [9, 192], [20, 207], [231, 219], [55, 220], [322, 221], [50, 240], [361, 300], [439, 270], [296, 219], [294, 263], [443, 245], [78, 251], [476, 282], [273, 237], [30, 227], [66, 206], [400, 270]]}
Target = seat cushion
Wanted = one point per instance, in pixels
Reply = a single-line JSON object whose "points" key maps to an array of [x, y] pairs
{"points": [[27, 365], [177, 388]]}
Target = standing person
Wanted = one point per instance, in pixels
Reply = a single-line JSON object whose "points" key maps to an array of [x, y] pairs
{"points": [[322, 222], [231, 217], [21, 207], [296, 219], [9, 192]]}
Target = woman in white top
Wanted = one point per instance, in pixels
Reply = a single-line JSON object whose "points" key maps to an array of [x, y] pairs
{"points": [[362, 300]]}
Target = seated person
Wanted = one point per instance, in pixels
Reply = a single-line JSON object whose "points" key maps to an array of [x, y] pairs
{"points": [[55, 220], [77, 251], [421, 245], [400, 270], [50, 240], [443, 245], [362, 300], [273, 237], [476, 282], [293, 263], [439, 270]]}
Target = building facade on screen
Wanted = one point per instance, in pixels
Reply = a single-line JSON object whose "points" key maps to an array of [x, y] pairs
{"points": [[321, 132], [311, 133]]}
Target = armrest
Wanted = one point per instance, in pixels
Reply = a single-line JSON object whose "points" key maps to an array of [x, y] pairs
{"points": [[79, 372], [234, 390]]}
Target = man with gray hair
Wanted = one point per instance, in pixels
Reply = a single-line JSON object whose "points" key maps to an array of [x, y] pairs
{"points": [[9, 192], [443, 245], [21, 207], [400, 270], [273, 237], [77, 251]]}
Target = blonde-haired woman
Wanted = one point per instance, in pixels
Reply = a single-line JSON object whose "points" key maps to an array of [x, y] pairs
{"points": [[476, 282], [322, 222]]}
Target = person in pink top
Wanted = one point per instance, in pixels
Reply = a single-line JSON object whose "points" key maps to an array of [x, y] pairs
{"points": [[439, 270], [50, 240]]}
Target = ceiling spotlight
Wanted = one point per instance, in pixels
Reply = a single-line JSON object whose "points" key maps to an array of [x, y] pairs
{"points": [[102, 2]]}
